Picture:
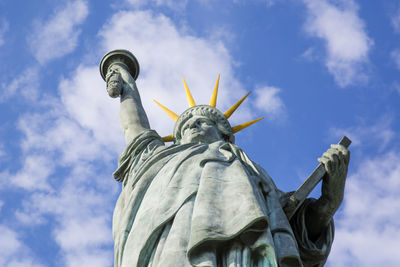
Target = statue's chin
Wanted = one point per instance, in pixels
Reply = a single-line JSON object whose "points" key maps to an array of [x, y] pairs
{"points": [[114, 92]]}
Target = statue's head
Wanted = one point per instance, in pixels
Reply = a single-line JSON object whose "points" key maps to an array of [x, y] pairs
{"points": [[204, 124]]}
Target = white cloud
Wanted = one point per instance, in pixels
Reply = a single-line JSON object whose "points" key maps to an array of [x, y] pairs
{"points": [[82, 209], [378, 135], [368, 230], [34, 173], [64, 145], [270, 2], [57, 131], [26, 85], [396, 57], [2, 151], [346, 42], [309, 54], [4, 26], [86, 101], [9, 243], [59, 35], [395, 18], [177, 5], [137, 3], [68, 158], [79, 194], [396, 86], [13, 253], [268, 101]]}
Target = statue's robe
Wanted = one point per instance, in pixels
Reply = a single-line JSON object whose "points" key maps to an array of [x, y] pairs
{"points": [[205, 205]]}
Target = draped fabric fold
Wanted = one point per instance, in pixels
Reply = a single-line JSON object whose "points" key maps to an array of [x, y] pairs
{"points": [[199, 205]]}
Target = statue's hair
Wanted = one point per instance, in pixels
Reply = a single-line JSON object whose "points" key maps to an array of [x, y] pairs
{"points": [[210, 112]]}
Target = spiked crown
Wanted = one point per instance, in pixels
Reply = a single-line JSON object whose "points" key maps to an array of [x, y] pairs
{"points": [[210, 111]]}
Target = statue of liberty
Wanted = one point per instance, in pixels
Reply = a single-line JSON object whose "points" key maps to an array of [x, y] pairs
{"points": [[201, 201]]}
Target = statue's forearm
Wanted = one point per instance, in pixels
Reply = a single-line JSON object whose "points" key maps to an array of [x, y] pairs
{"points": [[133, 118], [318, 216]]}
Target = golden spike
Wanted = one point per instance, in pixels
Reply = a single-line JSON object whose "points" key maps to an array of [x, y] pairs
{"points": [[230, 111], [188, 95], [244, 125], [169, 112], [168, 138], [213, 101]]}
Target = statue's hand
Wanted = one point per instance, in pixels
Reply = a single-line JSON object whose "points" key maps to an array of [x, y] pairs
{"points": [[115, 80], [120, 82], [336, 161]]}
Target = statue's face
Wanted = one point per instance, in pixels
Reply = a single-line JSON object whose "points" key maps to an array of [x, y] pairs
{"points": [[199, 129]]}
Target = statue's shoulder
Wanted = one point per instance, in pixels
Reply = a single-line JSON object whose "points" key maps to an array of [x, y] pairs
{"points": [[142, 141]]}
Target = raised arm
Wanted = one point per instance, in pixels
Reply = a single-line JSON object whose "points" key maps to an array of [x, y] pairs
{"points": [[133, 118]]}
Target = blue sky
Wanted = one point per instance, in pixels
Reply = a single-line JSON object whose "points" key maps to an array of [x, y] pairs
{"points": [[317, 70]]}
